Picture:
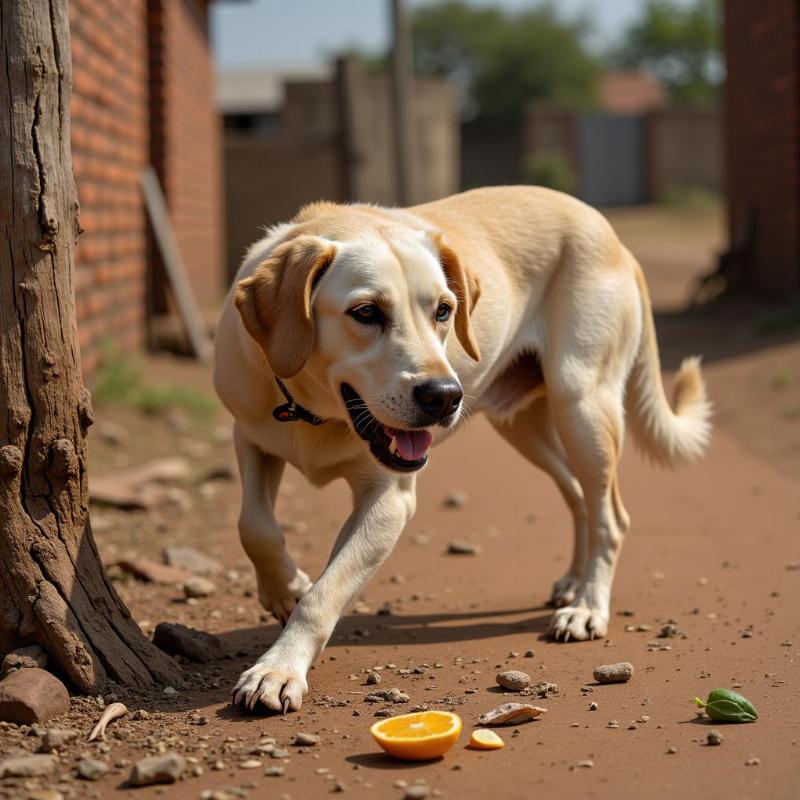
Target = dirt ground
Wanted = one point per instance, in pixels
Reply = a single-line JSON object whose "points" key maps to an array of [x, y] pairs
{"points": [[714, 547]]}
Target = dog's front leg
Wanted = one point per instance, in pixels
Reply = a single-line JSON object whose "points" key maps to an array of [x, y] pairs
{"points": [[382, 507]]}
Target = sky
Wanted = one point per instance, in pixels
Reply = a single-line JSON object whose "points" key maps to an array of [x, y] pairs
{"points": [[295, 34]]}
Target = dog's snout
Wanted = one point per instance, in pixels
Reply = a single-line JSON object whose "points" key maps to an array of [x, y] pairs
{"points": [[438, 398]]}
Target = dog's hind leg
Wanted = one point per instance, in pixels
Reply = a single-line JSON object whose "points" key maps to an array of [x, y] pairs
{"points": [[532, 434], [589, 423], [280, 583]]}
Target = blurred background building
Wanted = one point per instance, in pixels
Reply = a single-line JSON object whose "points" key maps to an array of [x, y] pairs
{"points": [[650, 110]]}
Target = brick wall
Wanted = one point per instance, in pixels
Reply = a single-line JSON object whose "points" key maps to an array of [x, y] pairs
{"points": [[142, 91], [762, 97], [110, 147], [186, 141]]}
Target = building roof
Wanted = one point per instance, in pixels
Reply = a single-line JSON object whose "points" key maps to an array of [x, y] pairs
{"points": [[260, 91]]}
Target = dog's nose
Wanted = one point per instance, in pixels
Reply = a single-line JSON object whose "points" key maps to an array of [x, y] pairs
{"points": [[438, 398]]}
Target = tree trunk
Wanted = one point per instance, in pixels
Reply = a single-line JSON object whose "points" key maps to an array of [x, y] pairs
{"points": [[53, 590]]}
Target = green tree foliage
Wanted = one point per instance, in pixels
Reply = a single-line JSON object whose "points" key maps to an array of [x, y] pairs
{"points": [[502, 59], [679, 44]]}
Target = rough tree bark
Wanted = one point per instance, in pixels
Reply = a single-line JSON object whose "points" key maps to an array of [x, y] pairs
{"points": [[53, 589]]}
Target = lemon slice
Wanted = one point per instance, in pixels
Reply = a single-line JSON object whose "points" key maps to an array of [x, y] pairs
{"points": [[418, 737], [483, 739]]}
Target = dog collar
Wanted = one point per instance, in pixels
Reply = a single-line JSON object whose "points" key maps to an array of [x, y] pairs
{"points": [[291, 411]]}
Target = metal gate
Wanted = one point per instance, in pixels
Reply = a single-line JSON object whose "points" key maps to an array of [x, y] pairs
{"points": [[611, 155]]}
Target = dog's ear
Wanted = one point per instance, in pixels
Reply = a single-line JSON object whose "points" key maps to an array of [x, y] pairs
{"points": [[467, 288], [275, 302]]}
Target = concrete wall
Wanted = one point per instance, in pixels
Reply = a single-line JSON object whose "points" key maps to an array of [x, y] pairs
{"points": [[762, 133], [335, 143]]}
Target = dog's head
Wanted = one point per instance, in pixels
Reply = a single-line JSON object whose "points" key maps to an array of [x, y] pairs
{"points": [[364, 320]]}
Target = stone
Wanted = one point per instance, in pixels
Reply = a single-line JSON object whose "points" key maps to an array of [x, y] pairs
{"points": [[513, 680], [455, 499], [191, 560], [373, 678], [56, 738], [146, 569], [460, 548], [157, 769], [306, 739], [714, 738], [614, 673], [198, 586], [32, 695], [27, 766], [417, 791], [25, 658], [90, 769], [180, 640], [274, 772]]}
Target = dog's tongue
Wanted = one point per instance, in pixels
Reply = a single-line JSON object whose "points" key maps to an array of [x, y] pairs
{"points": [[412, 445]]}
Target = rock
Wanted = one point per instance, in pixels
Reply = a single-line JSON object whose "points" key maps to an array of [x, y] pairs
{"points": [[274, 772], [32, 695], [56, 738], [279, 752], [511, 714], [90, 769], [157, 769], [456, 499], [152, 572], [180, 640], [306, 739], [460, 548], [514, 680], [586, 763], [138, 487], [374, 678], [112, 433], [191, 560], [27, 766], [714, 738], [417, 791], [614, 673], [25, 658], [197, 586]]}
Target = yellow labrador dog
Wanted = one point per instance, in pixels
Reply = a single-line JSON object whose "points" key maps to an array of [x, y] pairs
{"points": [[354, 338]]}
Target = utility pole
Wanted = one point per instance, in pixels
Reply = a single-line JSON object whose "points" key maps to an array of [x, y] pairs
{"points": [[402, 110]]}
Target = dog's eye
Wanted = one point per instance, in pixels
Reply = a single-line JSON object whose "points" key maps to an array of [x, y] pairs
{"points": [[443, 312], [368, 313]]}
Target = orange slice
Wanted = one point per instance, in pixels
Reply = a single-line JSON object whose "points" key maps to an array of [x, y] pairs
{"points": [[482, 739], [418, 737]]}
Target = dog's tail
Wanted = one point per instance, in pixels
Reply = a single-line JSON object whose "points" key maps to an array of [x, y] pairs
{"points": [[668, 435]]}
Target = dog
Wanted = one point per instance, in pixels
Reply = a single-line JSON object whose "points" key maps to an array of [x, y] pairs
{"points": [[355, 337]]}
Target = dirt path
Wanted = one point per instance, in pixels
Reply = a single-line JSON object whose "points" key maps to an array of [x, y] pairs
{"points": [[713, 547]]}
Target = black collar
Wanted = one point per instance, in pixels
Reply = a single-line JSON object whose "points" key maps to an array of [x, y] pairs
{"points": [[291, 411]]}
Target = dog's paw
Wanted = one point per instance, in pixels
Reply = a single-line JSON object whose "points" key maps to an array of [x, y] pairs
{"points": [[565, 589], [276, 688], [578, 622], [279, 598]]}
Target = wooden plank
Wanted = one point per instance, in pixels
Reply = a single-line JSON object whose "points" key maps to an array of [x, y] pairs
{"points": [[173, 263]]}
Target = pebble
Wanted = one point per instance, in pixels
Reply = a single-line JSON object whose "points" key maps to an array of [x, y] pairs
{"points": [[373, 678], [55, 738], [462, 548], [752, 761], [593, 706], [90, 769], [177, 639], [27, 766], [198, 586], [251, 763], [274, 772], [279, 753], [418, 791], [614, 673], [613, 724], [32, 695], [306, 739], [157, 769], [152, 572], [671, 750], [455, 499], [514, 680], [191, 560], [714, 737], [25, 658], [586, 763]]}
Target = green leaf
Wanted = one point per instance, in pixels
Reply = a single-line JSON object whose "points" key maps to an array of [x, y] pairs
{"points": [[723, 705]]}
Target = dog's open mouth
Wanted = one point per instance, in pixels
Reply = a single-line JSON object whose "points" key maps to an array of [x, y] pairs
{"points": [[401, 450]]}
